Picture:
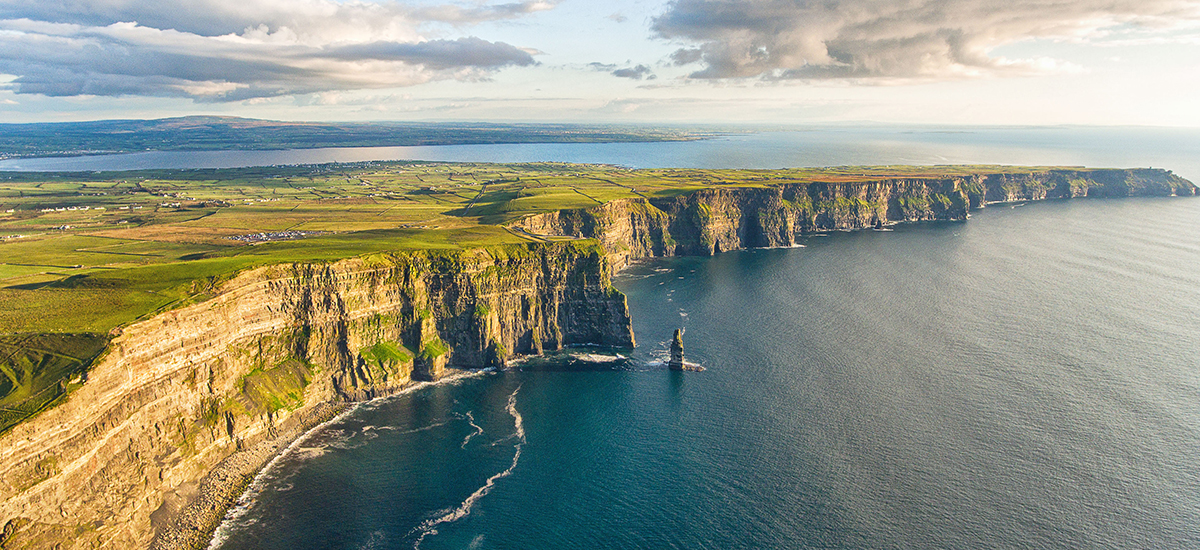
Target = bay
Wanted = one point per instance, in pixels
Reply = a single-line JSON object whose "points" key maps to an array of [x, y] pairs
{"points": [[1029, 378], [1177, 149]]}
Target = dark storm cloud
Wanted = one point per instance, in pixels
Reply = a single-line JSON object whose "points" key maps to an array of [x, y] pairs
{"points": [[889, 38]]}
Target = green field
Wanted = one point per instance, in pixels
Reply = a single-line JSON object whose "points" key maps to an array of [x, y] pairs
{"points": [[83, 254]]}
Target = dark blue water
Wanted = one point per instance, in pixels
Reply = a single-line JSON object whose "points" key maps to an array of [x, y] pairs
{"points": [[1177, 149], [1027, 379]]}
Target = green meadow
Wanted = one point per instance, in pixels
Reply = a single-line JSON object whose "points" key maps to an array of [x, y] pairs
{"points": [[82, 254]]}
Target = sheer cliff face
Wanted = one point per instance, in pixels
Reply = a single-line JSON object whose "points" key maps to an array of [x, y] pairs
{"points": [[720, 219], [178, 393]]}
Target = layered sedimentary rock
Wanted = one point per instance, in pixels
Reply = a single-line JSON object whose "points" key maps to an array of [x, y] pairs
{"points": [[718, 219], [279, 347], [177, 394]]}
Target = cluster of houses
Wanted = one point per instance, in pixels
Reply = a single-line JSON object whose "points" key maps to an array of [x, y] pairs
{"points": [[71, 208], [273, 236]]}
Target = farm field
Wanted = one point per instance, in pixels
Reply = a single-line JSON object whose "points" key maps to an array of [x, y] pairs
{"points": [[82, 254]]}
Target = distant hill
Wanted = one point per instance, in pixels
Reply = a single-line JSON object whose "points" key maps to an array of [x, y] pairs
{"points": [[207, 133]]}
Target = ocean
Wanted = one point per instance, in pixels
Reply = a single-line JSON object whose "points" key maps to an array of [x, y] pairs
{"points": [[1029, 378]]}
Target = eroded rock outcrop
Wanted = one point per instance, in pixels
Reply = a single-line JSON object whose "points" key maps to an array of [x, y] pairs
{"points": [[676, 362], [180, 393]]}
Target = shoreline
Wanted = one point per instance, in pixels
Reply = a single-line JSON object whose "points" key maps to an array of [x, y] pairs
{"points": [[222, 489], [196, 525], [197, 500]]}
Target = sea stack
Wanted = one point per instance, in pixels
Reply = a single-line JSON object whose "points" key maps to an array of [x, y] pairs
{"points": [[677, 351]]}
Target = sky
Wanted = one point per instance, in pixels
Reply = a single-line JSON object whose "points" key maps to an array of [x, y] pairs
{"points": [[788, 62]]}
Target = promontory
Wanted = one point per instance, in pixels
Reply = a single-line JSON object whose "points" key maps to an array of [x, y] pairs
{"points": [[163, 334]]}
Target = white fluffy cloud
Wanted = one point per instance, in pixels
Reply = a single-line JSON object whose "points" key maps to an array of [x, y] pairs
{"points": [[813, 39], [223, 50]]}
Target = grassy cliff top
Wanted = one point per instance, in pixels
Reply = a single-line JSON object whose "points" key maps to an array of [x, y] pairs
{"points": [[82, 254], [88, 252]]}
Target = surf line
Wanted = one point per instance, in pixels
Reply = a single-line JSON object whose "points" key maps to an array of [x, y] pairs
{"points": [[470, 436], [230, 522], [428, 527]]}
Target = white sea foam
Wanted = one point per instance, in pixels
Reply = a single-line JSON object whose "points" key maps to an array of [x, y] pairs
{"points": [[429, 527], [378, 539], [235, 517], [412, 430], [470, 436], [596, 357], [796, 245]]}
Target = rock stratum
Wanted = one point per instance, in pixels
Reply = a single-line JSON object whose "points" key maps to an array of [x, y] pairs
{"points": [[719, 219], [184, 407], [120, 462]]}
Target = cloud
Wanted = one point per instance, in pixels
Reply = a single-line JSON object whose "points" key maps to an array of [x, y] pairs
{"points": [[436, 54], [320, 21], [228, 50], [637, 73], [822, 39]]}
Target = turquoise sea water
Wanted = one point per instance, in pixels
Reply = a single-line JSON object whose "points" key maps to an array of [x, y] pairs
{"points": [[1029, 378]]}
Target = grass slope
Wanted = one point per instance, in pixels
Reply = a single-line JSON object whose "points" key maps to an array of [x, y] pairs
{"points": [[37, 370]]}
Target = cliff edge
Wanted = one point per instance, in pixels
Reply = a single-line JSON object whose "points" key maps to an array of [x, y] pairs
{"points": [[183, 407], [120, 461], [718, 219]]}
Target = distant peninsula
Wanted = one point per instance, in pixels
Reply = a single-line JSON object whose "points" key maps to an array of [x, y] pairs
{"points": [[220, 133], [165, 333]]}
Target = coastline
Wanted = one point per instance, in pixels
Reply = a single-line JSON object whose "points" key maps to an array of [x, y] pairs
{"points": [[227, 486], [221, 489], [175, 380], [197, 525]]}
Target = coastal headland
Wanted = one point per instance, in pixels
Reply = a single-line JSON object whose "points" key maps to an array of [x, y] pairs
{"points": [[154, 361]]}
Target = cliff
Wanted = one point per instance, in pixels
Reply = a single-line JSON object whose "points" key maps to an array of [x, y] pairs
{"points": [[183, 407], [179, 393], [718, 219]]}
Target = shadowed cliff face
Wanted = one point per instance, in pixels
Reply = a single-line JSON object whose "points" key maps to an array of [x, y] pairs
{"points": [[180, 392], [720, 219]]}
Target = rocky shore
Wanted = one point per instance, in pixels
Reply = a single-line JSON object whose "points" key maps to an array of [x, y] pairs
{"points": [[192, 527], [141, 454]]}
